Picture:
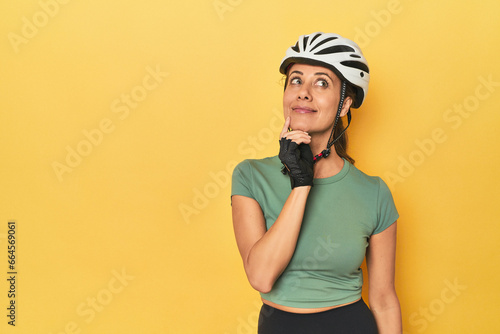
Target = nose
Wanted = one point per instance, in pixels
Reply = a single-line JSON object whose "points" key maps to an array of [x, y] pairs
{"points": [[304, 93]]}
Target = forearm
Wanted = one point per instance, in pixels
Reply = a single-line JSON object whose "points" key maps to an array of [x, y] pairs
{"points": [[387, 313], [271, 254]]}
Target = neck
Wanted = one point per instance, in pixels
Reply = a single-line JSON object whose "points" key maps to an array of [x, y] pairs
{"points": [[329, 166], [319, 142]]}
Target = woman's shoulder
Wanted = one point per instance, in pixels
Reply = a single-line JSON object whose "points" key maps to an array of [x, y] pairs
{"points": [[252, 177], [364, 178], [259, 164]]}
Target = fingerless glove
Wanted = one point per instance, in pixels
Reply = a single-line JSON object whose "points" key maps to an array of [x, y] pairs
{"points": [[297, 162]]}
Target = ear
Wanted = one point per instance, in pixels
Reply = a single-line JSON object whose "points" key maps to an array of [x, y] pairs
{"points": [[346, 106]]}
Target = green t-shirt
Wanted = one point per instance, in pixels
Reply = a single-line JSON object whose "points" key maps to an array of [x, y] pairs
{"points": [[341, 214]]}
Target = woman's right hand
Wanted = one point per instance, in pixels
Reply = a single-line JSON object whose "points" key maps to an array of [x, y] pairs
{"points": [[296, 156]]}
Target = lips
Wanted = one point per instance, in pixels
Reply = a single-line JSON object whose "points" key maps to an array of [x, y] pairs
{"points": [[303, 109]]}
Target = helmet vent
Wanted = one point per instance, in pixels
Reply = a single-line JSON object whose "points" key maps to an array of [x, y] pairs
{"points": [[314, 38], [304, 46], [296, 47], [356, 64], [355, 56], [326, 40], [335, 49]]}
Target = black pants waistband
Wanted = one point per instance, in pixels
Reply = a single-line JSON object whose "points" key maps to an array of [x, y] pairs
{"points": [[350, 319]]}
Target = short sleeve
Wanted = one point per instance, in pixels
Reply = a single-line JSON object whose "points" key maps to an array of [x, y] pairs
{"points": [[241, 181], [387, 212]]}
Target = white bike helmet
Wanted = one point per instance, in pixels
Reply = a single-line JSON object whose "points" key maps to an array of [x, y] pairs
{"points": [[335, 52]]}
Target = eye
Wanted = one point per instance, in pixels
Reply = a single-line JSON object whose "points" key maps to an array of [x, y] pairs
{"points": [[322, 83], [295, 81]]}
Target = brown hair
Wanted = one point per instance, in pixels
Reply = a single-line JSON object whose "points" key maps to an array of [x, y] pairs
{"points": [[341, 144]]}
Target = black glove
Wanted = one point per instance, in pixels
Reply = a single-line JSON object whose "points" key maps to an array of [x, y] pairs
{"points": [[297, 161]]}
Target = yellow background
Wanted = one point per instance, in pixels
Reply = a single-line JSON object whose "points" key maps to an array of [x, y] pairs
{"points": [[150, 200]]}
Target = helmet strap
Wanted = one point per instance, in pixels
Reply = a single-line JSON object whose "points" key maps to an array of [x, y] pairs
{"points": [[326, 152]]}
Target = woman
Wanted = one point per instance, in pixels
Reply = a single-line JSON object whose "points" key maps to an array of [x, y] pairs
{"points": [[302, 247]]}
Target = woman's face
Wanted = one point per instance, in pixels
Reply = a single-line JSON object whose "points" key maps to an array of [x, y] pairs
{"points": [[311, 98]]}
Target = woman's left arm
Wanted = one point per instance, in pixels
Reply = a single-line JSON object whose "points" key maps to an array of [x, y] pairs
{"points": [[383, 300]]}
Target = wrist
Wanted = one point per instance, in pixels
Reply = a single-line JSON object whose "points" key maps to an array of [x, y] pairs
{"points": [[301, 181], [302, 189]]}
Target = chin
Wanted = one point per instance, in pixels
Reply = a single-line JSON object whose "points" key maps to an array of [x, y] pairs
{"points": [[298, 125]]}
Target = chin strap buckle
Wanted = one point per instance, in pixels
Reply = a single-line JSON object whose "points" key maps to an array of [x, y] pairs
{"points": [[323, 154]]}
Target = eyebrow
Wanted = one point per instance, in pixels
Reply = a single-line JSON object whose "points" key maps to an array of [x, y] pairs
{"points": [[317, 73]]}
